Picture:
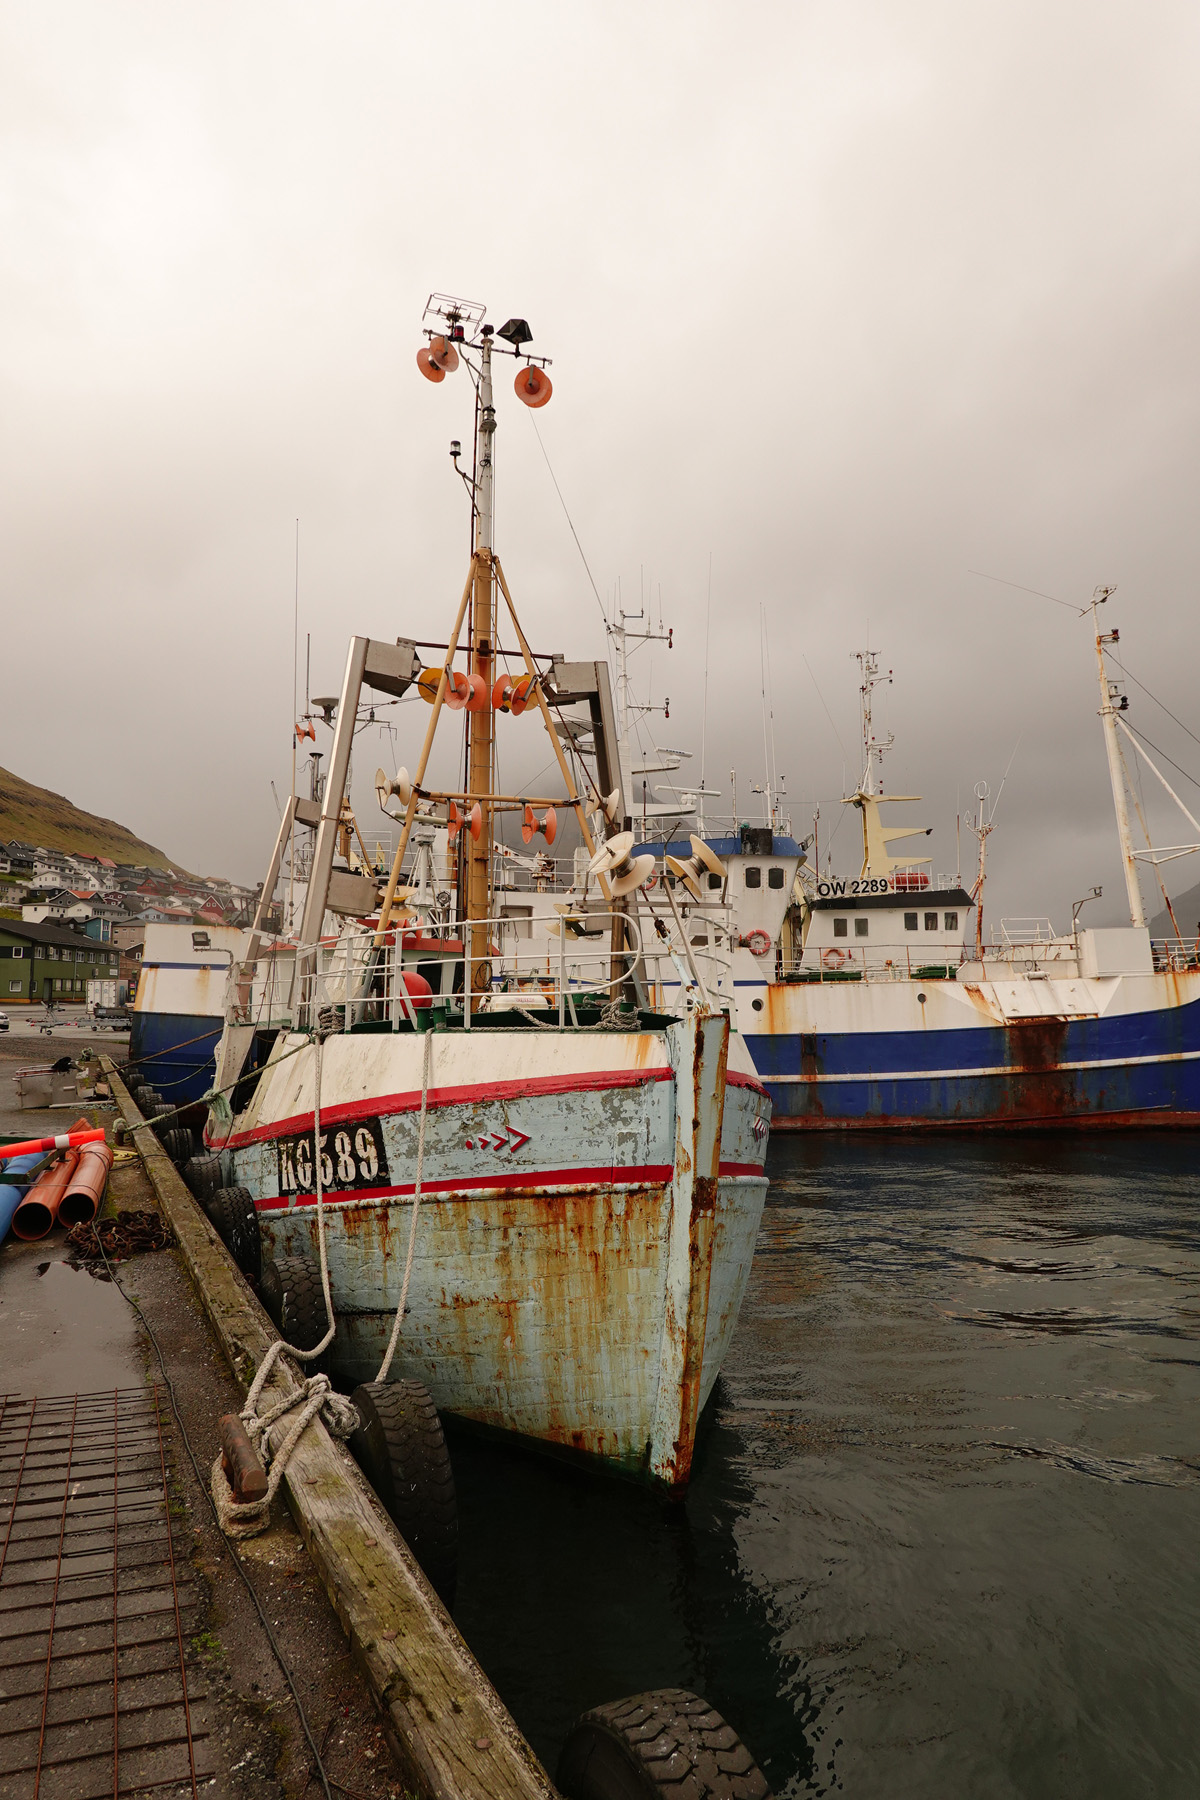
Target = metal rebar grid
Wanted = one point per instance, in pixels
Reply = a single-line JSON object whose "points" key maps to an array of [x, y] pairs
{"points": [[95, 1697]]}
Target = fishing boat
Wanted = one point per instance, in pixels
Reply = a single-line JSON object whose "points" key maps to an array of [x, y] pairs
{"points": [[873, 999], [541, 1190], [178, 1008]]}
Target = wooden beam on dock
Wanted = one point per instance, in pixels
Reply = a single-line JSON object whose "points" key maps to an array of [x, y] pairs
{"points": [[451, 1732]]}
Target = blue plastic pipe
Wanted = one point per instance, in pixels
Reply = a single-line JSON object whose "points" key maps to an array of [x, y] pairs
{"points": [[10, 1195]]}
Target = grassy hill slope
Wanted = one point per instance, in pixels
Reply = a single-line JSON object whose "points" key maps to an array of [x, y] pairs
{"points": [[36, 816]]}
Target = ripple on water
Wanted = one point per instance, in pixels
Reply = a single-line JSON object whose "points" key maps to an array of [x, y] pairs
{"points": [[941, 1536]]}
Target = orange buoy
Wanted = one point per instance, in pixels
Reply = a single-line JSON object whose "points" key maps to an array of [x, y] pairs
{"points": [[458, 690], [479, 694], [547, 825], [454, 821], [533, 386], [428, 367], [502, 693], [522, 694], [443, 355], [475, 821]]}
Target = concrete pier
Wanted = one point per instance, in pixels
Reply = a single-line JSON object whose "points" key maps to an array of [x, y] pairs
{"points": [[450, 1732]]}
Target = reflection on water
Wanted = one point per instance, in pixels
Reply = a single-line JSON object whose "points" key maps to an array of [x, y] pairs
{"points": [[942, 1535]]}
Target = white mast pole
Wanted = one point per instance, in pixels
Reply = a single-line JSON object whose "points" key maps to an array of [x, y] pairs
{"points": [[481, 725], [1108, 717], [864, 663], [483, 442]]}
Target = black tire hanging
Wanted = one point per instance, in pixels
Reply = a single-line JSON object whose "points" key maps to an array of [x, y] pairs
{"points": [[203, 1175], [292, 1294], [231, 1210], [401, 1450], [178, 1142], [666, 1743]]}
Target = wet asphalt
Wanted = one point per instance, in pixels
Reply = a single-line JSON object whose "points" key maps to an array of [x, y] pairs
{"points": [[65, 1328]]}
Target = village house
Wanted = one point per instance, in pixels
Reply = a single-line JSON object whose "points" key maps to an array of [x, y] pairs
{"points": [[42, 963]]}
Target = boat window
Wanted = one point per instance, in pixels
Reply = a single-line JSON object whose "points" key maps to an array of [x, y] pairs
{"points": [[753, 876], [860, 927], [931, 921], [521, 918], [841, 928], [951, 921], [775, 878], [714, 881], [910, 921]]}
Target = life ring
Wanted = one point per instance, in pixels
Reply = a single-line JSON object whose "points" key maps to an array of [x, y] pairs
{"points": [[757, 942], [833, 958], [650, 885]]}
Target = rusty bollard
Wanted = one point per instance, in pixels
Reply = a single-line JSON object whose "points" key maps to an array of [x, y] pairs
{"points": [[239, 1460]]}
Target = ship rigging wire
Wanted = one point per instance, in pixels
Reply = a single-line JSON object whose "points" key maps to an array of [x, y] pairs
{"points": [[1132, 729], [1157, 702], [554, 478], [1022, 589]]}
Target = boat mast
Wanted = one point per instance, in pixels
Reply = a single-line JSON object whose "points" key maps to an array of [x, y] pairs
{"points": [[1113, 701], [481, 724], [873, 747]]}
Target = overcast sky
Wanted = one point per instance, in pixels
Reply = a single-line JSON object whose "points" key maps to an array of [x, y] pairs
{"points": [[851, 298]]}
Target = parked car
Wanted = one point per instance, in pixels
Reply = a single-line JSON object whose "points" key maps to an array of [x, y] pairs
{"points": [[3, 1021]]}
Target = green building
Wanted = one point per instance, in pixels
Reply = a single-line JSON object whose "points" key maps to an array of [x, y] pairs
{"points": [[50, 962]]}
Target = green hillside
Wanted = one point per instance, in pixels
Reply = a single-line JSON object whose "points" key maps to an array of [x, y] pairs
{"points": [[36, 816]]}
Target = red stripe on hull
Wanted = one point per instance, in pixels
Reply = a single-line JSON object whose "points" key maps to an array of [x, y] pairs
{"points": [[382, 1106], [647, 1175], [734, 1079]]}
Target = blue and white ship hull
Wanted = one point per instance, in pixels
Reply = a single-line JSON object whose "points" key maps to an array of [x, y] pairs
{"points": [[179, 1009], [943, 1053], [862, 1006]]}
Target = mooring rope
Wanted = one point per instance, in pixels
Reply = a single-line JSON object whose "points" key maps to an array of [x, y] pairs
{"points": [[245, 1518], [398, 1321]]}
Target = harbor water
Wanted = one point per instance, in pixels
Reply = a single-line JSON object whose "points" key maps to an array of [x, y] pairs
{"points": [[942, 1536]]}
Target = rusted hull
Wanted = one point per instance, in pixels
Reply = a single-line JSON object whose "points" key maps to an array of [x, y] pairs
{"points": [[1133, 1062], [538, 1312], [584, 1236]]}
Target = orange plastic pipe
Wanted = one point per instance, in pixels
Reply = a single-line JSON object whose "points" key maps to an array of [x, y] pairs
{"points": [[38, 1212], [85, 1190], [65, 1141]]}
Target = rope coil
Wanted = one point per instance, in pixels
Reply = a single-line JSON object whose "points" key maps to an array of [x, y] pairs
{"points": [[243, 1519]]}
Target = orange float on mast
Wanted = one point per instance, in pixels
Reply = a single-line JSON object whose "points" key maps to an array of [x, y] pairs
{"points": [[533, 386]]}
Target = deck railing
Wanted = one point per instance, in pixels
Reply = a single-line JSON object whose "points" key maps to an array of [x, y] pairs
{"points": [[354, 982], [1177, 954]]}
